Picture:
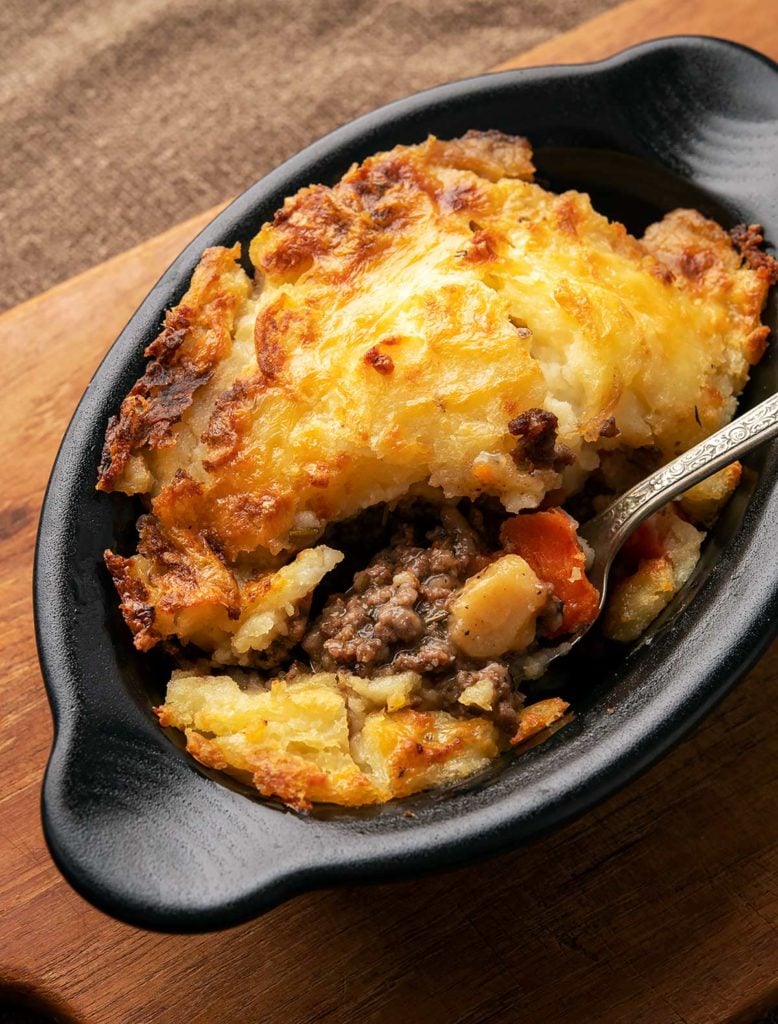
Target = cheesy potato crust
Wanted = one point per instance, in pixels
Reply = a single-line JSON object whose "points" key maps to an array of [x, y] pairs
{"points": [[297, 740], [434, 325]]}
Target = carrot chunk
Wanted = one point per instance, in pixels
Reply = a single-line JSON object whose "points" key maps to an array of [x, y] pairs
{"points": [[644, 543], [549, 543]]}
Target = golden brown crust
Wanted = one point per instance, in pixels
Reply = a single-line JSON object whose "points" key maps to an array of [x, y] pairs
{"points": [[175, 571], [341, 230], [227, 420], [490, 154], [397, 754], [294, 741], [702, 256], [344, 228], [136, 605], [749, 241], [538, 717], [196, 335], [420, 748], [288, 777]]}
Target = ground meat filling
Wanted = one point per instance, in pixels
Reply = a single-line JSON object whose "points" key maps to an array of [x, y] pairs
{"points": [[507, 699], [394, 618], [536, 446]]}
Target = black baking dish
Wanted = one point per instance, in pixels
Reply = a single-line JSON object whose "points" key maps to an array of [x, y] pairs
{"points": [[149, 836]]}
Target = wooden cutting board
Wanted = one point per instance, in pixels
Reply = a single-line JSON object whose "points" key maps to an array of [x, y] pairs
{"points": [[660, 906]]}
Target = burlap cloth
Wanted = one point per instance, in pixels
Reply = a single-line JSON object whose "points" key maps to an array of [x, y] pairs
{"points": [[120, 118]]}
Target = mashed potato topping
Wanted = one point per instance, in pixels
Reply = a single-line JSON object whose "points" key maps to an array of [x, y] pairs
{"points": [[294, 739], [434, 332]]}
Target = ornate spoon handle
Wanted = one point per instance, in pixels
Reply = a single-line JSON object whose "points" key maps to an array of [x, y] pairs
{"points": [[608, 531]]}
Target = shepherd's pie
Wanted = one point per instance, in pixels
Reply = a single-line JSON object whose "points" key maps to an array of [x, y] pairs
{"points": [[359, 462]]}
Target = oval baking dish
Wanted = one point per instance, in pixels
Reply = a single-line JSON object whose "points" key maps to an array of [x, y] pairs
{"points": [[153, 838]]}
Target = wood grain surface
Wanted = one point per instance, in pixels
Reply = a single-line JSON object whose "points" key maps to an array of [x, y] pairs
{"points": [[660, 906]]}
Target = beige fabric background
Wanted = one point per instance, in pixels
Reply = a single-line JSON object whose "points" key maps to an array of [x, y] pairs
{"points": [[120, 118]]}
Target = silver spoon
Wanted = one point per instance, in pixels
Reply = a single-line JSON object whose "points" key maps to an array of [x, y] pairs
{"points": [[607, 532]]}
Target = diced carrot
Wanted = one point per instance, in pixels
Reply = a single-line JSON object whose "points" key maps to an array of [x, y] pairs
{"points": [[549, 543], [644, 543]]}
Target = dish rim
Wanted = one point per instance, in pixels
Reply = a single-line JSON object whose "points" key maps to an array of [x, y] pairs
{"points": [[613, 759]]}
